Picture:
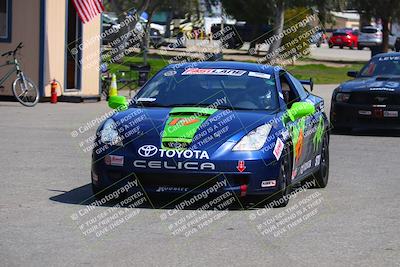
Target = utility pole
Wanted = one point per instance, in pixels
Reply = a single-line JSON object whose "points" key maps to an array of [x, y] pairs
{"points": [[221, 43]]}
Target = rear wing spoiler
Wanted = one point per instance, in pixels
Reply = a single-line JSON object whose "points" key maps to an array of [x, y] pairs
{"points": [[308, 82]]}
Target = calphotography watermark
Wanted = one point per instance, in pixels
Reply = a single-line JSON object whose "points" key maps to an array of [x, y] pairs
{"points": [[200, 209], [273, 224], [110, 211]]}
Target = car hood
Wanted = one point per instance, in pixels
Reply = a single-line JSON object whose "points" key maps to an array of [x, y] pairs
{"points": [[378, 83], [152, 125]]}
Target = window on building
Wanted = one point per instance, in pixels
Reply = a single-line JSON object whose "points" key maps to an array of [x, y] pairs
{"points": [[5, 20]]}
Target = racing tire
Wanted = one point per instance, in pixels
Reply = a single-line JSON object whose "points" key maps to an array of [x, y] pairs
{"points": [[351, 46], [253, 201], [359, 47], [285, 175], [341, 47], [321, 176], [330, 45]]}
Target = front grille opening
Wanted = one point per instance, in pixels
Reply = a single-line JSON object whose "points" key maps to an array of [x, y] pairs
{"points": [[367, 98], [176, 145]]}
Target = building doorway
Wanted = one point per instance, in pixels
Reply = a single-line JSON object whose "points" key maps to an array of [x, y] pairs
{"points": [[74, 54]]}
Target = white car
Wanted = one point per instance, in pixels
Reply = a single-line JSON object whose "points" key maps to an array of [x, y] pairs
{"points": [[372, 36]]}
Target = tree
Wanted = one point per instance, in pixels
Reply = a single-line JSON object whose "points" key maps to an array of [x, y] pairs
{"points": [[254, 12], [386, 10], [325, 6], [121, 7], [270, 12], [279, 19]]}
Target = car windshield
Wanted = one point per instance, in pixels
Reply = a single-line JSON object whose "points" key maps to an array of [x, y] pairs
{"points": [[381, 66], [339, 34], [218, 88], [369, 30]]}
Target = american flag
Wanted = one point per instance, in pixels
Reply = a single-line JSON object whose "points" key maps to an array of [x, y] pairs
{"points": [[88, 9]]}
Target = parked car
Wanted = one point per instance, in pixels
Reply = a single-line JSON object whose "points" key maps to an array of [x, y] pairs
{"points": [[156, 39], [318, 38], [371, 36], [344, 38], [109, 25], [241, 32]]}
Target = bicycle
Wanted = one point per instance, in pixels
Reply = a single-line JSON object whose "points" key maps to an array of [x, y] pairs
{"points": [[24, 90]]}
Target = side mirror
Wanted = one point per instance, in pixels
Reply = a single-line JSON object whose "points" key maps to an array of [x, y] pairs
{"points": [[118, 102], [299, 110], [352, 73]]}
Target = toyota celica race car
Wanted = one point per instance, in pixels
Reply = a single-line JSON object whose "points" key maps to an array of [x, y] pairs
{"points": [[250, 129]]}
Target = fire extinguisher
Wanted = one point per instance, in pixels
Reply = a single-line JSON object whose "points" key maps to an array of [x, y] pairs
{"points": [[53, 98]]}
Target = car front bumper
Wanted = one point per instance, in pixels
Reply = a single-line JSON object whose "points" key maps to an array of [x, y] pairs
{"points": [[260, 176], [344, 42], [344, 115]]}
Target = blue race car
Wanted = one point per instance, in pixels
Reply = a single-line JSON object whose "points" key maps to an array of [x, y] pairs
{"points": [[371, 101], [250, 129]]}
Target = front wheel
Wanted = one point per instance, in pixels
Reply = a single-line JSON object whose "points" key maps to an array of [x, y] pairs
{"points": [[322, 175], [285, 176], [25, 92]]}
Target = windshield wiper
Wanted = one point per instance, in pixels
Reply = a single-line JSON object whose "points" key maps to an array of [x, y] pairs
{"points": [[149, 104], [384, 77], [191, 105], [236, 108]]}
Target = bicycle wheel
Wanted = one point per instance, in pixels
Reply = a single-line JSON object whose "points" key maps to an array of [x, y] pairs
{"points": [[28, 96]]}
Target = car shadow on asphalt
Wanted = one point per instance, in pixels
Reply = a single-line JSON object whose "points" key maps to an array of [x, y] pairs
{"points": [[78, 196], [83, 196]]}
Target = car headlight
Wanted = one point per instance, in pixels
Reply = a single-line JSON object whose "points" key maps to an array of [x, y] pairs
{"points": [[109, 134], [254, 140], [342, 97]]}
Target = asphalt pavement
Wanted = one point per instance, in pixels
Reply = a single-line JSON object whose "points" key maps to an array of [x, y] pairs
{"points": [[45, 219], [322, 53]]}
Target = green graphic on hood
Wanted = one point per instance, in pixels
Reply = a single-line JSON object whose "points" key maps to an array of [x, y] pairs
{"points": [[318, 134], [182, 125], [297, 133]]}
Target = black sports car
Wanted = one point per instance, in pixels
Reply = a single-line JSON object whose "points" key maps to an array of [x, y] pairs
{"points": [[372, 99]]}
